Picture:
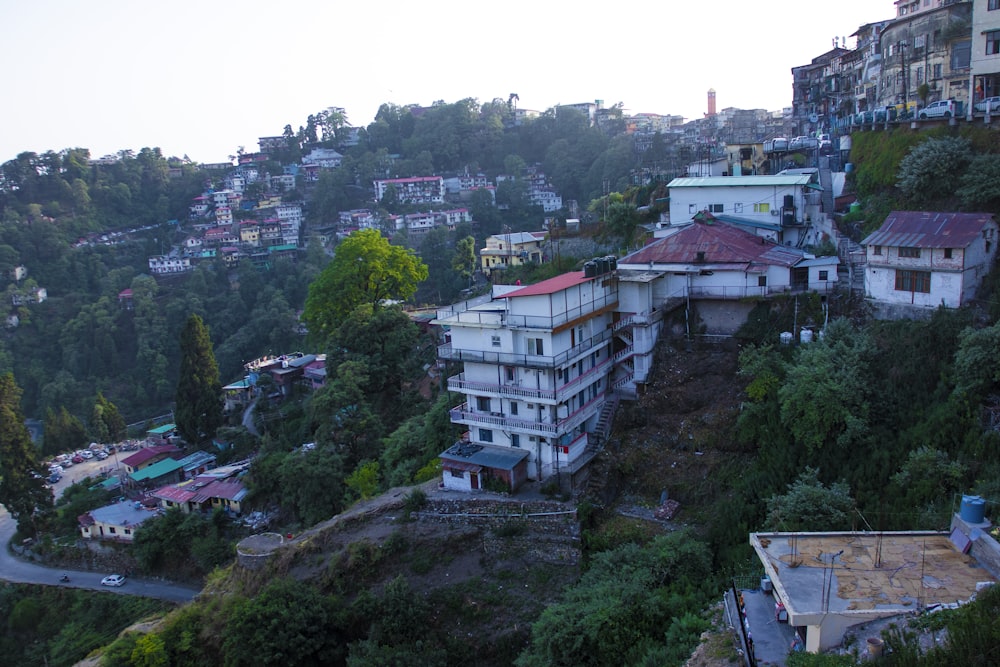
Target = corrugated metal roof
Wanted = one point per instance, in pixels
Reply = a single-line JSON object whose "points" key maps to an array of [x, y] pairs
{"points": [[739, 181], [929, 229], [487, 456], [719, 244], [552, 285]]}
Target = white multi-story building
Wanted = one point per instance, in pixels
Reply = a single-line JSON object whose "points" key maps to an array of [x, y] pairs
{"points": [[536, 367], [985, 61], [163, 265], [416, 190]]}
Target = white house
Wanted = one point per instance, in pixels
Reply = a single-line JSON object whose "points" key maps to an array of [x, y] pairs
{"points": [[415, 190], [723, 268], [781, 208], [536, 364], [929, 259], [325, 158]]}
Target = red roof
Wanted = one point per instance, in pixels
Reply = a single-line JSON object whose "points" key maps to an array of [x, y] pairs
{"points": [[715, 243], [552, 285], [929, 229], [147, 453]]}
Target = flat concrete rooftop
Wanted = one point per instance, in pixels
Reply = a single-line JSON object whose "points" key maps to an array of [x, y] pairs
{"points": [[822, 573]]}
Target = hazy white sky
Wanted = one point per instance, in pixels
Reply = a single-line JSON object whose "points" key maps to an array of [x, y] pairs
{"points": [[203, 78]]}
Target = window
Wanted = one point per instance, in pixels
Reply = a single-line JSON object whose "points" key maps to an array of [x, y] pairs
{"points": [[939, 66], [877, 250], [920, 75], [761, 208], [495, 340], [457, 473], [482, 403], [992, 42], [536, 346], [513, 407], [111, 529], [509, 370], [485, 435], [824, 275], [738, 206], [913, 281], [715, 208], [761, 281], [515, 440], [692, 208], [909, 252], [947, 251], [993, 5]]}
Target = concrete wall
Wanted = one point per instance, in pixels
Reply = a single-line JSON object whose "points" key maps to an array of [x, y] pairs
{"points": [[985, 549], [721, 317]]}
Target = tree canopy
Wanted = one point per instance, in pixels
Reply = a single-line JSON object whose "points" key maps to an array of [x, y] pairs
{"points": [[366, 269], [198, 411], [22, 486]]}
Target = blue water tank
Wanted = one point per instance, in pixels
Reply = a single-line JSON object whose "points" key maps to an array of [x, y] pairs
{"points": [[973, 509], [849, 167]]}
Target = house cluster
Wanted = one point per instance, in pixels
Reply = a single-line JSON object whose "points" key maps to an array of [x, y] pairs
{"points": [[22, 292], [285, 372], [164, 478], [931, 50], [542, 366]]}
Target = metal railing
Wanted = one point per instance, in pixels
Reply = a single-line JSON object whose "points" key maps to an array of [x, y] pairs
{"points": [[463, 415], [447, 351], [458, 383], [457, 315]]}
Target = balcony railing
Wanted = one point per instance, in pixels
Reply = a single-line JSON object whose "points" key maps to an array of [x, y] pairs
{"points": [[458, 383], [463, 415], [450, 353], [460, 314]]}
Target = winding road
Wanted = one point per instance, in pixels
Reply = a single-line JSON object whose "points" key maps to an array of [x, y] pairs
{"points": [[16, 570]]}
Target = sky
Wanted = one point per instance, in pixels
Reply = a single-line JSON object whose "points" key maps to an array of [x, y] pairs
{"points": [[203, 78]]}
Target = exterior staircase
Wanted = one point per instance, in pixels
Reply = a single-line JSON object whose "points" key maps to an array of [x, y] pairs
{"points": [[852, 265]]}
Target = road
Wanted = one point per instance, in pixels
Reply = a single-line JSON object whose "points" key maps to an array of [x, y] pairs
{"points": [[15, 570]]}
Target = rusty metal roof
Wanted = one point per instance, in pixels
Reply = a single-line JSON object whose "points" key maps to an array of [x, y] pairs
{"points": [[929, 229], [717, 243]]}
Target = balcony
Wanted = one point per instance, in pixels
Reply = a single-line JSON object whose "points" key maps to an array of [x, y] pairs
{"points": [[446, 351], [459, 315], [463, 415], [459, 384]]}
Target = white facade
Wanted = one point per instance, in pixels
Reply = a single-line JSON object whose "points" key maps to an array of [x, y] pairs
{"points": [[536, 366], [785, 201], [162, 265], [416, 190], [928, 259]]}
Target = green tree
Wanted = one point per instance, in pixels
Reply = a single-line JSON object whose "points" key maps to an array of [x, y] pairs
{"points": [[364, 481], [365, 269], [623, 605], [62, 432], [198, 411], [287, 623], [979, 187], [932, 170], [810, 506], [107, 423], [464, 260], [22, 486], [825, 399]]}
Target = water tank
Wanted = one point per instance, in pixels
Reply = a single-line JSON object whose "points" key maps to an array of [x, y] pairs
{"points": [[602, 265], [806, 336], [786, 337], [789, 202], [973, 509], [589, 270], [849, 167], [855, 206], [613, 261]]}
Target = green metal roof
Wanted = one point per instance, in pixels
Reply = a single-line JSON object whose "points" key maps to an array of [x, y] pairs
{"points": [[161, 430], [164, 467]]}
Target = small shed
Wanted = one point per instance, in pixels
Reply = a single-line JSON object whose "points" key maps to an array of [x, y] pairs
{"points": [[468, 466]]}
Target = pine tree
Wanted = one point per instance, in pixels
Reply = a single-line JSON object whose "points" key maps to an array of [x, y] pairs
{"points": [[22, 486], [198, 412], [107, 423]]}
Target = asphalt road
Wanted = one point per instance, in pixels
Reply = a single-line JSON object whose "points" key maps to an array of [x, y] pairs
{"points": [[15, 570]]}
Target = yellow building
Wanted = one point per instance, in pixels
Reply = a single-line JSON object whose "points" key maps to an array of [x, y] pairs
{"points": [[511, 249]]}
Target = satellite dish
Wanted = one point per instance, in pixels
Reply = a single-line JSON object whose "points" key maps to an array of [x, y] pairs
{"points": [[813, 118]]}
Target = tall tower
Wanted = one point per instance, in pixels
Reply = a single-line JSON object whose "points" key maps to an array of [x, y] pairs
{"points": [[711, 102]]}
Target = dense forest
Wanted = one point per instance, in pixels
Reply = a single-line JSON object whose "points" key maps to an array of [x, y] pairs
{"points": [[877, 424]]}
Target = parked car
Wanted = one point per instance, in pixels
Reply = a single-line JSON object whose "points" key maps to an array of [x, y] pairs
{"points": [[939, 109], [86, 453], [990, 103], [101, 456], [113, 580], [77, 458]]}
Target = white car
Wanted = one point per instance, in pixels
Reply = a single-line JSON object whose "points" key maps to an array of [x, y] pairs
{"points": [[113, 580], [939, 109], [991, 103]]}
